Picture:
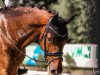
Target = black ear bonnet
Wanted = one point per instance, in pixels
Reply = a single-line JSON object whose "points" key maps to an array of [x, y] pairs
{"points": [[57, 27]]}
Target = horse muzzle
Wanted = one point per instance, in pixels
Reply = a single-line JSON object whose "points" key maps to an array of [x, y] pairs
{"points": [[55, 68]]}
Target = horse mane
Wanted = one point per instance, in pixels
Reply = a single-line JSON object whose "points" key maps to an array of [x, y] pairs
{"points": [[5, 9]]}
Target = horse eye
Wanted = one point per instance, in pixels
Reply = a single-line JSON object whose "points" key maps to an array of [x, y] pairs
{"points": [[49, 39]]}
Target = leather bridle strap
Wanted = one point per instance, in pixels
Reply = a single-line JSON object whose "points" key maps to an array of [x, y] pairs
{"points": [[54, 54], [50, 53], [57, 54]]}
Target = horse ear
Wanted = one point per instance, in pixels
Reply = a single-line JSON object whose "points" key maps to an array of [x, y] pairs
{"points": [[68, 20], [55, 17]]}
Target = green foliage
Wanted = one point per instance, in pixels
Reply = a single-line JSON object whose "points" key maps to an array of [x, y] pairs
{"points": [[1, 3], [41, 64], [80, 28], [70, 62]]}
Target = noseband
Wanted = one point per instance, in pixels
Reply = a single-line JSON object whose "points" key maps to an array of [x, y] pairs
{"points": [[44, 35]]}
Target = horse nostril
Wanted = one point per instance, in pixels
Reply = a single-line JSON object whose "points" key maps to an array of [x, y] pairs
{"points": [[54, 71]]}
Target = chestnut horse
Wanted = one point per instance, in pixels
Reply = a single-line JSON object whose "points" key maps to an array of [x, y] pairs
{"points": [[22, 25]]}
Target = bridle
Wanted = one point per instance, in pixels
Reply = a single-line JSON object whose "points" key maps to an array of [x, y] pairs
{"points": [[44, 36]]}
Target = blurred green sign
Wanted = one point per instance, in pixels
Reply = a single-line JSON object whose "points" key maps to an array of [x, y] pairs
{"points": [[84, 55]]}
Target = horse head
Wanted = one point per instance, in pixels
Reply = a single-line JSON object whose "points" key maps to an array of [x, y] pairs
{"points": [[52, 41]]}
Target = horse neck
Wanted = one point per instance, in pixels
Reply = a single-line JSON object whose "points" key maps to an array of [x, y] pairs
{"points": [[29, 15], [33, 22]]}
